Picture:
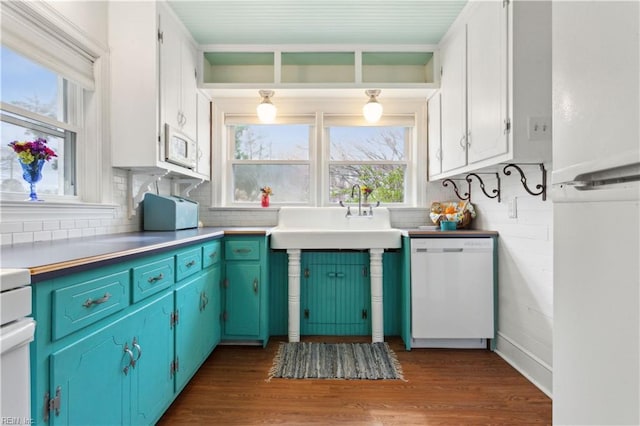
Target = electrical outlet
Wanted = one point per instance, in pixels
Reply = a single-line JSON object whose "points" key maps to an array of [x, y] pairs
{"points": [[539, 128], [513, 208]]}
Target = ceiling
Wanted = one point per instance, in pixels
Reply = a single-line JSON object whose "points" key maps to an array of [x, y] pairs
{"points": [[344, 22]]}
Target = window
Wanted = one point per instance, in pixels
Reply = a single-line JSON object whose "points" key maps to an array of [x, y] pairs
{"points": [[317, 151], [368, 156], [38, 103], [275, 155]]}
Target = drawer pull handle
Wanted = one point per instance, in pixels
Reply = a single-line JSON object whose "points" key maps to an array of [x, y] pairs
{"points": [[214, 254], [255, 285], [138, 348], [155, 279], [190, 264], [90, 302], [132, 361], [242, 250]]}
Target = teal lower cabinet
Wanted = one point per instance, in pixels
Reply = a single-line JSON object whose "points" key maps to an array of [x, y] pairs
{"points": [[335, 293], [196, 326], [93, 369], [116, 344], [245, 290]]}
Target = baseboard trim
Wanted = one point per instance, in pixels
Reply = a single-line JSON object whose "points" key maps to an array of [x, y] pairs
{"points": [[534, 369]]}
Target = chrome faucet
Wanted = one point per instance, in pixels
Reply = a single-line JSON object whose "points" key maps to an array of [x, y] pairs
{"points": [[353, 188]]}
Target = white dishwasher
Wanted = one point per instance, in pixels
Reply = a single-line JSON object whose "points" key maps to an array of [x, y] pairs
{"points": [[452, 292]]}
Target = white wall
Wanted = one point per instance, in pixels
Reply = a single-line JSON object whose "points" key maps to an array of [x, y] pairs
{"points": [[525, 263], [90, 17]]}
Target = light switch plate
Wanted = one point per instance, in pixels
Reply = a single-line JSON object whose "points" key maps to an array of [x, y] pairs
{"points": [[539, 128], [513, 208]]}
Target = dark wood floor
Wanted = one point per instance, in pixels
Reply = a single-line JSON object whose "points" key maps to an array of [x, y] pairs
{"points": [[442, 387]]}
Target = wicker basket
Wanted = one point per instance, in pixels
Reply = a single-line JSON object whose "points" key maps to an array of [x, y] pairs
{"points": [[464, 211]]}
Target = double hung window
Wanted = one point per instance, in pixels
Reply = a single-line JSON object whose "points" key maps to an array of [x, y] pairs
{"points": [[372, 157], [38, 103], [274, 155], [307, 166]]}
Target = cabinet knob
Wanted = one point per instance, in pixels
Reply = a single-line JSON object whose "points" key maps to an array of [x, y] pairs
{"points": [[255, 285]]}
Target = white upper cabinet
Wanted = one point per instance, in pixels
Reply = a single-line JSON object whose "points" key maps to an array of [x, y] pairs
{"points": [[204, 134], [153, 83], [453, 107], [434, 127], [496, 86], [486, 82], [178, 76]]}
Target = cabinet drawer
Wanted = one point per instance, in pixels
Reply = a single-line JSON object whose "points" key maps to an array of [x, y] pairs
{"points": [[242, 250], [211, 254], [188, 263], [151, 278], [78, 305]]}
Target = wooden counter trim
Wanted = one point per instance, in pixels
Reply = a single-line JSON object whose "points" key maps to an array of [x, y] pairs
{"points": [[150, 249]]}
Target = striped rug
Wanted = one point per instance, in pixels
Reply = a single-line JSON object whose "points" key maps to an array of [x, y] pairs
{"points": [[311, 360]]}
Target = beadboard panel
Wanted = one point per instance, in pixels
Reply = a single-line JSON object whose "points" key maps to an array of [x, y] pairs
{"points": [[278, 297]]}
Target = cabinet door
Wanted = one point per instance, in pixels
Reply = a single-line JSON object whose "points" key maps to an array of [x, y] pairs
{"points": [[319, 300], [151, 340], [93, 379], [170, 70], [487, 81], [242, 299], [188, 330], [433, 128], [453, 107], [211, 311], [204, 135], [353, 300], [188, 88]]}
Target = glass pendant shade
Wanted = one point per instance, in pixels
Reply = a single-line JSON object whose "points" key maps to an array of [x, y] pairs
{"points": [[372, 110], [266, 110]]}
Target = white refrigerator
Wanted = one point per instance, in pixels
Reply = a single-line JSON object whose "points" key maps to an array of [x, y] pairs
{"points": [[596, 220]]}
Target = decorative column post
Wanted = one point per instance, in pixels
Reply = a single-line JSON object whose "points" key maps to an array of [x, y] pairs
{"points": [[377, 312], [294, 294]]}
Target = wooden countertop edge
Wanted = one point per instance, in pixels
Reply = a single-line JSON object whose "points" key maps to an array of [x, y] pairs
{"points": [[114, 255]]}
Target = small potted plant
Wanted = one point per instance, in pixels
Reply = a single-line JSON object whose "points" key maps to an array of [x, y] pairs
{"points": [[266, 193]]}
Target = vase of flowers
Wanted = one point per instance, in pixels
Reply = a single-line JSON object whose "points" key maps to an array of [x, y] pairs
{"points": [[266, 193], [366, 191], [32, 155]]}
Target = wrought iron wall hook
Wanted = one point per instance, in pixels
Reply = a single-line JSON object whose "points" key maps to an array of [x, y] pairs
{"points": [[495, 192], [466, 196], [542, 187]]}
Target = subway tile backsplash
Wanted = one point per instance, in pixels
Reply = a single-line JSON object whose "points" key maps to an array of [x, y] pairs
{"points": [[30, 230]]}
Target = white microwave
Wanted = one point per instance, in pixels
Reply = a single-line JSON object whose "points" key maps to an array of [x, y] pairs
{"points": [[179, 149]]}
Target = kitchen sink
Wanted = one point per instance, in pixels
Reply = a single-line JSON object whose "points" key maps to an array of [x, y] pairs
{"points": [[331, 228], [304, 228]]}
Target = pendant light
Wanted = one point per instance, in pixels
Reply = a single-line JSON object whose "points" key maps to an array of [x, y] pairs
{"points": [[372, 110], [266, 110]]}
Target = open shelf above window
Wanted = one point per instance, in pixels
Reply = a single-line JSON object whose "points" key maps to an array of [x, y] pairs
{"points": [[354, 68], [397, 67]]}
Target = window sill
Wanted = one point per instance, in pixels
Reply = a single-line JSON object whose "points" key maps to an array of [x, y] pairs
{"points": [[20, 211]]}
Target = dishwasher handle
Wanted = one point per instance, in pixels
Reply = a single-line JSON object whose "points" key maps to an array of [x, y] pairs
{"points": [[440, 250]]}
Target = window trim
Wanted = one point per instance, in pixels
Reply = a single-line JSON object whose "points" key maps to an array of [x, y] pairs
{"points": [[408, 161], [233, 120], [416, 178], [24, 28]]}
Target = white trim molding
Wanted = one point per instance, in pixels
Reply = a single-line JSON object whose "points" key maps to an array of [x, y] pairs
{"points": [[530, 366]]}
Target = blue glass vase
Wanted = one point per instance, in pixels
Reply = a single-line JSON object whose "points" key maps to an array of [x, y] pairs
{"points": [[32, 173]]}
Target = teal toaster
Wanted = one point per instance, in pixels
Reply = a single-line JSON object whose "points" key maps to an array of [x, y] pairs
{"points": [[168, 213]]}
